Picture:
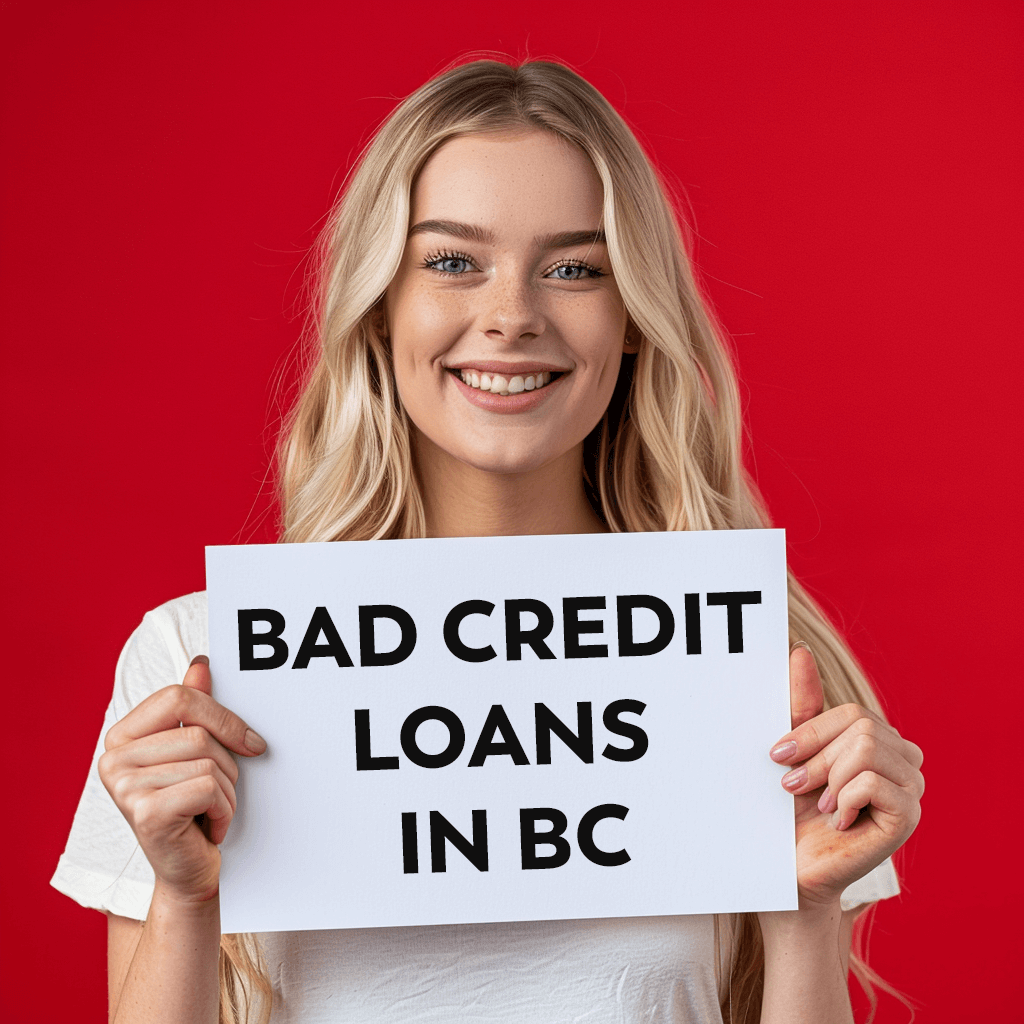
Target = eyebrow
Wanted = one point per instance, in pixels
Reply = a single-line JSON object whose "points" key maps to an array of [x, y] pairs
{"points": [[473, 233]]}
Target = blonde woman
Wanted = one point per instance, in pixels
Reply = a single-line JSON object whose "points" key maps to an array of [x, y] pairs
{"points": [[510, 342]]}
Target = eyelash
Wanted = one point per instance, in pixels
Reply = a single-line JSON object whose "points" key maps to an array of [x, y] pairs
{"points": [[447, 254]]}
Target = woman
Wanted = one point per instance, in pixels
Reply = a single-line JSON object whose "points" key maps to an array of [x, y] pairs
{"points": [[510, 342]]}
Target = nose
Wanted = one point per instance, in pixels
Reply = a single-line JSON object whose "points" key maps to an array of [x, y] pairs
{"points": [[511, 312]]}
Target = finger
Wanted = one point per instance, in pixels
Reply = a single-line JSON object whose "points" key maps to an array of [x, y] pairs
{"points": [[130, 786], [865, 735], [186, 705], [165, 810], [172, 745], [867, 755], [198, 675], [895, 810], [807, 739], [915, 755], [806, 697]]}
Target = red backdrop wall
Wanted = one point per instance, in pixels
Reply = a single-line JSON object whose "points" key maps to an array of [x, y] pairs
{"points": [[854, 174]]}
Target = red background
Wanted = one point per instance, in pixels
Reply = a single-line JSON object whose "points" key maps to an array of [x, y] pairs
{"points": [[854, 172]]}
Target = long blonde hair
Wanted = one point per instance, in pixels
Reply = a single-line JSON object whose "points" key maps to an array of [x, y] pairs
{"points": [[666, 455]]}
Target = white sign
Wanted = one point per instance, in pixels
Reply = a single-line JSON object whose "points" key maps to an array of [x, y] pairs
{"points": [[505, 729]]}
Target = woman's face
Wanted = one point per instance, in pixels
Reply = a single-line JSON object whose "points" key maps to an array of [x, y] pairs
{"points": [[506, 324]]}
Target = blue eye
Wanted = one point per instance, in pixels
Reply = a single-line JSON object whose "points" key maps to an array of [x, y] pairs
{"points": [[574, 272], [456, 264], [452, 263]]}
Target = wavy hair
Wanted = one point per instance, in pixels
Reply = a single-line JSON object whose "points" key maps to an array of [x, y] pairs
{"points": [[667, 453]]}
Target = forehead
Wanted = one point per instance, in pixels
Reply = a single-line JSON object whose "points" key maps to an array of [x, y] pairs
{"points": [[519, 184]]}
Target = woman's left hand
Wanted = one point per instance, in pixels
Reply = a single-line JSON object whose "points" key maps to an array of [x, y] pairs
{"points": [[857, 784]]}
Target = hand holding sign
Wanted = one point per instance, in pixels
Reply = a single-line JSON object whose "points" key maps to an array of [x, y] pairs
{"points": [[167, 762], [872, 783]]}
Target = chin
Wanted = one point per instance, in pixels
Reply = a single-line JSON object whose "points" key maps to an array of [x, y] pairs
{"points": [[505, 463]]}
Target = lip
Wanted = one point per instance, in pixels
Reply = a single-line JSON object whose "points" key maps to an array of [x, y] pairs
{"points": [[507, 369], [523, 402]]}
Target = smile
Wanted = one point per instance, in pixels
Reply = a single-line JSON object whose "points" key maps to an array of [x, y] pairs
{"points": [[498, 384]]}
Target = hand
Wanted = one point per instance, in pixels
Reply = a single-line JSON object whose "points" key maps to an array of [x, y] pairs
{"points": [[857, 784], [168, 762]]}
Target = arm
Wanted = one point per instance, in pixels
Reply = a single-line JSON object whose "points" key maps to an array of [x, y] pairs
{"points": [[161, 777], [806, 961], [166, 968], [857, 786]]}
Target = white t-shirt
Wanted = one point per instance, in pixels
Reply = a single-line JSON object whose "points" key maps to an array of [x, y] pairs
{"points": [[599, 971]]}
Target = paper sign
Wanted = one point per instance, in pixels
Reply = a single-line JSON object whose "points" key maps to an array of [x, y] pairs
{"points": [[497, 729]]}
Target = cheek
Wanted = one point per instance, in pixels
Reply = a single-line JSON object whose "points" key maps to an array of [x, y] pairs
{"points": [[601, 391], [601, 341], [423, 328]]}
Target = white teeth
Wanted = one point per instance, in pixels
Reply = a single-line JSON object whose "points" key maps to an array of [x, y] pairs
{"points": [[496, 384]]}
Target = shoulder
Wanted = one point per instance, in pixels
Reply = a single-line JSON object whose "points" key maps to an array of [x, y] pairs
{"points": [[181, 622], [159, 650], [102, 865]]}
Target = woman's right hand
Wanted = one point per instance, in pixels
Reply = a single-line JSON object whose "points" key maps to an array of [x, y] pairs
{"points": [[162, 775]]}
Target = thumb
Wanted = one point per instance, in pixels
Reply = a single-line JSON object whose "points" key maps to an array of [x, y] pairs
{"points": [[806, 697], [198, 675]]}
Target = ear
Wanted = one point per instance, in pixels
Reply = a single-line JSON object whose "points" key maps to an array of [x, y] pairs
{"points": [[633, 338], [378, 319]]}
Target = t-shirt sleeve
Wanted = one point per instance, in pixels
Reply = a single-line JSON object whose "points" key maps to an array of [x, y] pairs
{"points": [[878, 884], [102, 865]]}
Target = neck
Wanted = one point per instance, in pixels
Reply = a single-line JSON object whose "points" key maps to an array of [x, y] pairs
{"points": [[461, 501]]}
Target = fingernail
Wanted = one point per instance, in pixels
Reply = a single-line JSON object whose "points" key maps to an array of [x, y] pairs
{"points": [[796, 778], [842, 820], [199, 659], [783, 752], [823, 800], [254, 741]]}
